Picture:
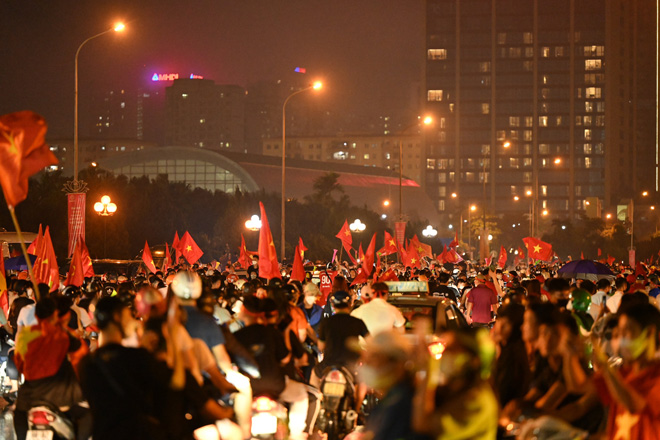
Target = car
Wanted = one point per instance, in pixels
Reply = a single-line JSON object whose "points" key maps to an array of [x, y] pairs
{"points": [[412, 298]]}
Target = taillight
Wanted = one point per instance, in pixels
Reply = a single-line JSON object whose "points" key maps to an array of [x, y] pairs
{"points": [[41, 417], [436, 349], [263, 404], [335, 376]]}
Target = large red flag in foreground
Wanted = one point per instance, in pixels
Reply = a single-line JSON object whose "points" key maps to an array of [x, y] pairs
{"points": [[76, 275], [191, 252], [424, 250], [268, 266], [148, 259], [298, 270], [390, 245], [23, 152], [45, 266], [4, 294], [538, 249], [410, 257], [344, 235]]}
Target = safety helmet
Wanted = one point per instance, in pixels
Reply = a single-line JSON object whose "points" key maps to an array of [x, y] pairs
{"points": [[149, 299], [581, 300], [187, 285]]}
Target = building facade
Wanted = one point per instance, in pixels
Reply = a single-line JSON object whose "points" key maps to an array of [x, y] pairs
{"points": [[202, 114]]}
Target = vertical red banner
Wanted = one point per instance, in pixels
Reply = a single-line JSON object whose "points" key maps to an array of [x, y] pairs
{"points": [[76, 218], [400, 232]]}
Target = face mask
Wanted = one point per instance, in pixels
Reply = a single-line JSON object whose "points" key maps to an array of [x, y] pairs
{"points": [[631, 349], [375, 378], [310, 300]]}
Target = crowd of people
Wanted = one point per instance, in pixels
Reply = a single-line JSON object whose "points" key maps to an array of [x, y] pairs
{"points": [[168, 355]]}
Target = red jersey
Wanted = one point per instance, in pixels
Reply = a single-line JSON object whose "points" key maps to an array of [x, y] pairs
{"points": [[621, 424], [325, 286]]}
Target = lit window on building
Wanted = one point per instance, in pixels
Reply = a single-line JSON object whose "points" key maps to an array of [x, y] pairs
{"points": [[514, 162], [588, 106], [600, 107], [593, 92], [437, 54], [543, 121], [514, 189], [514, 121], [529, 52], [587, 148], [485, 108], [588, 162], [545, 52], [545, 93], [515, 52], [558, 121], [451, 108], [122, 105], [527, 178], [544, 149], [587, 134], [513, 135], [430, 164], [184, 95], [559, 51], [484, 66], [592, 64], [485, 149], [587, 120], [529, 121], [501, 135], [600, 121], [442, 123], [434, 95], [201, 121], [366, 156], [442, 191], [527, 135], [528, 38], [442, 177], [441, 205], [527, 162], [594, 51]]}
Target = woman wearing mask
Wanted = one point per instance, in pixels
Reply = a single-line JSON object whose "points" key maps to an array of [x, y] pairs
{"points": [[313, 311]]}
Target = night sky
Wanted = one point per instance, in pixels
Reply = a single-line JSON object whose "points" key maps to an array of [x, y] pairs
{"points": [[369, 53]]}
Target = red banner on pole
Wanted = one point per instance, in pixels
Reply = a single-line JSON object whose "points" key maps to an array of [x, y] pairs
{"points": [[76, 218], [400, 232]]}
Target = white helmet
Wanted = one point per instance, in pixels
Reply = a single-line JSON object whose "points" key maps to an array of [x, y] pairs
{"points": [[187, 285]]}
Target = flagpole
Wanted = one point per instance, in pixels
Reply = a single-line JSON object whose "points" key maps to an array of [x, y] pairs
{"points": [[25, 253]]}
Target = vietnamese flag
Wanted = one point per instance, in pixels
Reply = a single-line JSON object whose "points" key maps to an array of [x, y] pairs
{"points": [[176, 247], [600, 252], [88, 268], [191, 252], [302, 248], [501, 260], [45, 267], [148, 260], [298, 271], [4, 294], [424, 250], [76, 275], [538, 249], [360, 254], [610, 260], [411, 257], [369, 257], [167, 261], [32, 249], [345, 236], [268, 265], [521, 253], [454, 242], [23, 152], [390, 245], [244, 255]]}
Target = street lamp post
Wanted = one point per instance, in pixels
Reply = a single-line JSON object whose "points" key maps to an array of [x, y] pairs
{"points": [[316, 86], [105, 208], [254, 224], [119, 27]]}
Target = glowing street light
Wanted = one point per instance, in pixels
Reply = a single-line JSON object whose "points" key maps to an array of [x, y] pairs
{"points": [[254, 224], [318, 85], [429, 232], [105, 208], [357, 226], [386, 203]]}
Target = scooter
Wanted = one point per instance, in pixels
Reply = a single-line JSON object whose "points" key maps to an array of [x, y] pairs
{"points": [[46, 422], [338, 416]]}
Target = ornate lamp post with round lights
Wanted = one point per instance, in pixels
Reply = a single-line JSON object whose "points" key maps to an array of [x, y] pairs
{"points": [[429, 232], [105, 208], [357, 226], [254, 224]]}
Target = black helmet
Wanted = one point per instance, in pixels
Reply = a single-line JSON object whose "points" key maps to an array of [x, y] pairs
{"points": [[72, 292], [93, 287], [340, 299]]}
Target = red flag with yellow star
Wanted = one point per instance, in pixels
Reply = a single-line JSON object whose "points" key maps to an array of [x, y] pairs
{"points": [[302, 248], [148, 259], [45, 266], [344, 235], [501, 260], [298, 271], [32, 249], [4, 294], [411, 256], [390, 245], [454, 242], [176, 247], [23, 152], [424, 250], [76, 276], [189, 249], [244, 256], [268, 266], [88, 268], [538, 249]]}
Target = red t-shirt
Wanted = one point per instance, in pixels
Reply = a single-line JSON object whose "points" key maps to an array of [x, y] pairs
{"points": [[325, 286], [623, 425], [482, 298]]}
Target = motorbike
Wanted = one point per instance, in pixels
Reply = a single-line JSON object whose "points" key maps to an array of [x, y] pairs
{"points": [[46, 422], [337, 417], [269, 419]]}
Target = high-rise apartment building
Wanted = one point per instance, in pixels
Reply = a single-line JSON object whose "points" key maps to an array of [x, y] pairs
{"points": [[203, 114], [518, 88]]}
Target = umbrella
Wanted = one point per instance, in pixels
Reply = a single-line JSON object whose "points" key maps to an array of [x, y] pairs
{"points": [[18, 263], [585, 270]]}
